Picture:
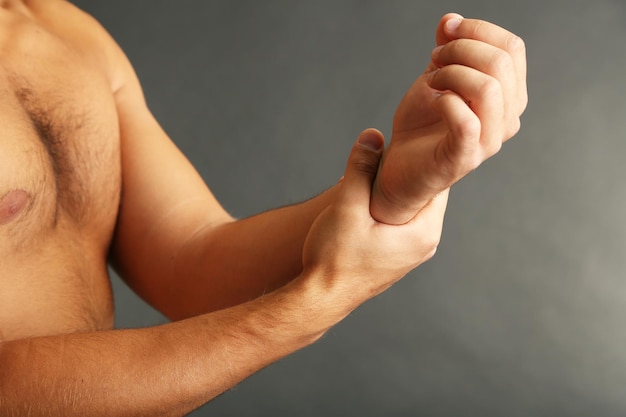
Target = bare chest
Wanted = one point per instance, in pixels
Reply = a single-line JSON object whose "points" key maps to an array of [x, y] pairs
{"points": [[60, 180], [59, 142]]}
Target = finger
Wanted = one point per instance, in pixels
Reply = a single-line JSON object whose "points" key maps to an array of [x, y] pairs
{"points": [[462, 151], [362, 167], [481, 93], [479, 30], [481, 56], [441, 36], [489, 60]]}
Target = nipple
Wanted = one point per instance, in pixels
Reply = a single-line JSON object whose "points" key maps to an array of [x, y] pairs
{"points": [[11, 204]]}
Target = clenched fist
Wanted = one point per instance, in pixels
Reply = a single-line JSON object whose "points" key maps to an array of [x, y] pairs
{"points": [[454, 116]]}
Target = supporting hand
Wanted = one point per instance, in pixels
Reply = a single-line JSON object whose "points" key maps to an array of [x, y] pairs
{"points": [[352, 256]]}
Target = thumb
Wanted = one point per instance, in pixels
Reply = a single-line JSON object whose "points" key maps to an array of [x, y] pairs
{"points": [[362, 167]]}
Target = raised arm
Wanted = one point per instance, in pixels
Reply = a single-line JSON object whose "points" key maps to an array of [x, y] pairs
{"points": [[455, 116]]}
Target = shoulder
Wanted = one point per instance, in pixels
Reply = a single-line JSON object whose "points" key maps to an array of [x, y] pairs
{"points": [[84, 33]]}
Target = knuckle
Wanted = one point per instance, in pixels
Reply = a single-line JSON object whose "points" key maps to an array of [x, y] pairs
{"points": [[476, 29], [500, 63], [435, 240], [453, 48], [431, 251], [365, 165], [473, 161], [492, 147], [490, 88], [523, 103], [515, 44], [469, 127], [515, 126]]}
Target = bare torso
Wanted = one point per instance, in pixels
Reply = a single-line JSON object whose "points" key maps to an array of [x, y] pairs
{"points": [[59, 176]]}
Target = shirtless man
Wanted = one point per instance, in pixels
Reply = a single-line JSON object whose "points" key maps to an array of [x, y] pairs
{"points": [[87, 176]]}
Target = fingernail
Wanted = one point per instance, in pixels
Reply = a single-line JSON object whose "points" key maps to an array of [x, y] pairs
{"points": [[453, 24], [371, 140]]}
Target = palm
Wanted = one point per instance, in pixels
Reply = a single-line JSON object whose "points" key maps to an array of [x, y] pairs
{"points": [[418, 131], [415, 110]]}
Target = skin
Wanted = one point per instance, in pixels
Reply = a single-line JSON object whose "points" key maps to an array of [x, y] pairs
{"points": [[104, 183], [456, 115]]}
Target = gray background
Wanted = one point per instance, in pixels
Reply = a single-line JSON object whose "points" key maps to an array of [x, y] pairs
{"points": [[522, 311]]}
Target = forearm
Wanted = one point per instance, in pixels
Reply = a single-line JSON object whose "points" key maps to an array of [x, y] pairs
{"points": [[167, 370], [238, 261]]}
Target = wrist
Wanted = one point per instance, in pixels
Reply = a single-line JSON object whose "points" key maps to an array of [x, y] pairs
{"points": [[388, 207]]}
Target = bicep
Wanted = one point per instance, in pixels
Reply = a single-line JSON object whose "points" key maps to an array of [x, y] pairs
{"points": [[164, 200]]}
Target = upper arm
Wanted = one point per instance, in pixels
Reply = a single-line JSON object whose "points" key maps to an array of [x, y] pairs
{"points": [[163, 199]]}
